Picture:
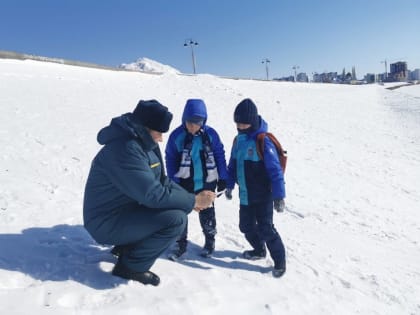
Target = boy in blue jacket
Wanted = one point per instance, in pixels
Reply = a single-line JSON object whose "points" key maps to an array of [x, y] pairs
{"points": [[195, 158], [261, 185]]}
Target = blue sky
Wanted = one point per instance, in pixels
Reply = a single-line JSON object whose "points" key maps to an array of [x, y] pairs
{"points": [[234, 36]]}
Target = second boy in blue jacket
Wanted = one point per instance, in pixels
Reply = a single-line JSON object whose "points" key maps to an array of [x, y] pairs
{"points": [[195, 158], [261, 186]]}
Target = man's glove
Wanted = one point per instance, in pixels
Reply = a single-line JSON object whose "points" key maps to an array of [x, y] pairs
{"points": [[279, 205], [228, 194], [221, 185]]}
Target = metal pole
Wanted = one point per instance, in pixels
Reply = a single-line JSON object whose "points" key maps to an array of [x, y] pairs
{"points": [[266, 61], [193, 57], [266, 69], [294, 68], [191, 43], [386, 69]]}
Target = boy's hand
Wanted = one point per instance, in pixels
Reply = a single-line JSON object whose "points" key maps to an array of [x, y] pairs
{"points": [[228, 194], [221, 185], [279, 205]]}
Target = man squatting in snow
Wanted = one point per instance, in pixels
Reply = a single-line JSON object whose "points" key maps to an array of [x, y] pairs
{"points": [[129, 202]]}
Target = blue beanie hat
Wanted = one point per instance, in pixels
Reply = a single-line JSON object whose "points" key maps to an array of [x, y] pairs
{"points": [[153, 115], [246, 113]]}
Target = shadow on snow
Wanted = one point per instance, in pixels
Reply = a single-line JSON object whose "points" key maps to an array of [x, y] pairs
{"points": [[227, 259], [58, 253], [67, 252]]}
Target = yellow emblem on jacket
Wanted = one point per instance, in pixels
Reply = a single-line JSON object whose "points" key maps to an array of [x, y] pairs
{"points": [[154, 165]]}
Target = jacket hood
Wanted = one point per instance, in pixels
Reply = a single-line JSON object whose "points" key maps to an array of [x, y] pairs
{"points": [[123, 127], [194, 107], [263, 127]]}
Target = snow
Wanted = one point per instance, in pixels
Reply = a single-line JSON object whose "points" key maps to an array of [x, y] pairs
{"points": [[351, 231], [148, 65]]}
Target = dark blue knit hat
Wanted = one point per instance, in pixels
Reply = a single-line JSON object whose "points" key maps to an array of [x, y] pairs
{"points": [[153, 115], [246, 113]]}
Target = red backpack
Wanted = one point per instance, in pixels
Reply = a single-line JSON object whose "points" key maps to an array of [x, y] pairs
{"points": [[282, 154]]}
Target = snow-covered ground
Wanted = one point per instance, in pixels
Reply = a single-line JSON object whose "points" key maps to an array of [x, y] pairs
{"points": [[352, 229]]}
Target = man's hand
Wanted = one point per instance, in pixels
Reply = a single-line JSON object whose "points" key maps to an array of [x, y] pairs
{"points": [[228, 194], [279, 205], [204, 200]]}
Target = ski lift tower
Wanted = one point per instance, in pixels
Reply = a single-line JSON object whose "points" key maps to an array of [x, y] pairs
{"points": [[266, 61], [190, 42]]}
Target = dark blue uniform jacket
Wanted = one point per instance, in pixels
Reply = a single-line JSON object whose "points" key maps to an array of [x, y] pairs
{"points": [[128, 170]]}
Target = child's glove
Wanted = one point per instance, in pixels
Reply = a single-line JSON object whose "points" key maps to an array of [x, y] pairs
{"points": [[228, 194], [279, 205], [221, 185]]}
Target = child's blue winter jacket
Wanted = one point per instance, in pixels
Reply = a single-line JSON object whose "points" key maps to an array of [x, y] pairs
{"points": [[258, 180], [199, 169]]}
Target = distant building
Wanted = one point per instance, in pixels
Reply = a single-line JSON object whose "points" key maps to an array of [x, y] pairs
{"points": [[302, 77], [348, 77], [287, 79], [370, 78], [415, 75], [382, 77], [399, 71], [330, 77], [353, 73]]}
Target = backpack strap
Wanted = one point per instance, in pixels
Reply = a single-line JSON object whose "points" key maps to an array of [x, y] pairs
{"points": [[260, 145], [282, 154]]}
